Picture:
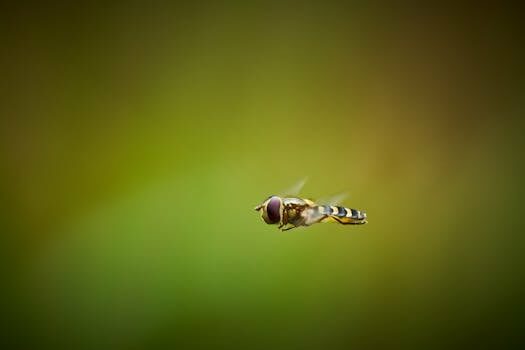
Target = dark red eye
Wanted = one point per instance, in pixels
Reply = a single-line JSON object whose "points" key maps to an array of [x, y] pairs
{"points": [[273, 210]]}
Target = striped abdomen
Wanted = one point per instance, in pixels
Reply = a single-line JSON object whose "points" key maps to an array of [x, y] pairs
{"points": [[343, 215]]}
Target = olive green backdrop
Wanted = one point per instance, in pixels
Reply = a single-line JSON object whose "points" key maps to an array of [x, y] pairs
{"points": [[136, 140]]}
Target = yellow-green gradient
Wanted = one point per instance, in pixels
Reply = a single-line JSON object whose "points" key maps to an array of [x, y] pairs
{"points": [[136, 140]]}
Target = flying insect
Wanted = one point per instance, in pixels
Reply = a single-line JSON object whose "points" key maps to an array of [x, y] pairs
{"points": [[291, 212]]}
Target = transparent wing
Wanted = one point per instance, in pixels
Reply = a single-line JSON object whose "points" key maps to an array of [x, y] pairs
{"points": [[336, 199], [294, 190], [313, 216]]}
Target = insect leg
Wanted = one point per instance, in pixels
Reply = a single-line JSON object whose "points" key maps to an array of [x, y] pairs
{"points": [[351, 222], [337, 219]]}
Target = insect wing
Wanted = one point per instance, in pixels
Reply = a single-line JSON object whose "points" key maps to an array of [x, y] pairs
{"points": [[313, 215], [294, 190], [336, 199]]}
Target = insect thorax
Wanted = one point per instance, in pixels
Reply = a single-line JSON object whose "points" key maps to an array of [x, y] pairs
{"points": [[294, 201], [294, 208]]}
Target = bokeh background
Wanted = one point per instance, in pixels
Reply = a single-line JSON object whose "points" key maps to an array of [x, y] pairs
{"points": [[136, 139]]}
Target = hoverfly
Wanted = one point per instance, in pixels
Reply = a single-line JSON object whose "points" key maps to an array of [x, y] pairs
{"points": [[291, 212]]}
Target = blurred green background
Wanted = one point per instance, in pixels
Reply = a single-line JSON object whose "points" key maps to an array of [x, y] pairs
{"points": [[136, 140]]}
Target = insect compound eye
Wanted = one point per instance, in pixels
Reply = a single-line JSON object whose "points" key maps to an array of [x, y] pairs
{"points": [[273, 209]]}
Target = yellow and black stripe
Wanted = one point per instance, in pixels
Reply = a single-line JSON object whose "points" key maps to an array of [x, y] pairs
{"points": [[342, 215]]}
